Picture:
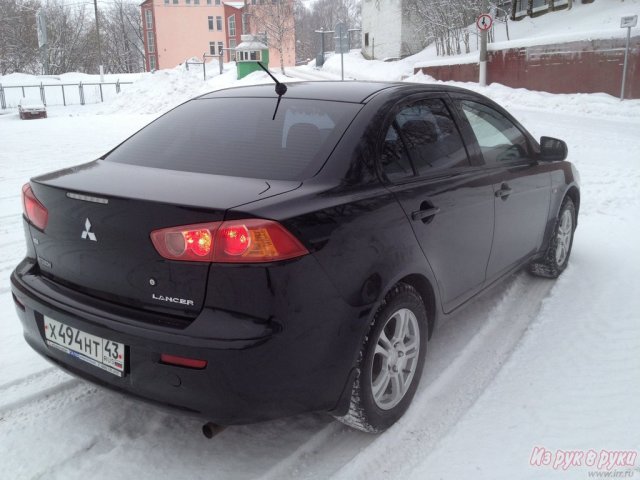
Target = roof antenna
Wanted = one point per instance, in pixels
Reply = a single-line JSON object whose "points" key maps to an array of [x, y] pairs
{"points": [[281, 88]]}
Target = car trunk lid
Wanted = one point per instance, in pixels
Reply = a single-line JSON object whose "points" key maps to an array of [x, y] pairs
{"points": [[101, 215]]}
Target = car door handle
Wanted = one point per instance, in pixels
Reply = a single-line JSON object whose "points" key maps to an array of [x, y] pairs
{"points": [[504, 191], [426, 214]]}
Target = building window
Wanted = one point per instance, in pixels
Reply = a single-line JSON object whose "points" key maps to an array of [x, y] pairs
{"points": [[148, 15], [210, 20], [219, 23], [212, 48], [188, 2], [196, 2], [217, 2], [232, 25], [175, 2], [166, 2], [254, 55], [151, 43], [208, 2], [232, 46], [152, 62]]}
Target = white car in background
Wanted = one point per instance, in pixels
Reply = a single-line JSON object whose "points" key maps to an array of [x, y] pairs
{"points": [[28, 108]]}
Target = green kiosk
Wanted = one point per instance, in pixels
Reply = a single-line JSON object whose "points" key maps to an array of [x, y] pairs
{"points": [[249, 53]]}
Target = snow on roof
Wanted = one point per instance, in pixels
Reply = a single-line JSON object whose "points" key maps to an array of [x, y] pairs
{"points": [[238, 5], [31, 103], [254, 45]]}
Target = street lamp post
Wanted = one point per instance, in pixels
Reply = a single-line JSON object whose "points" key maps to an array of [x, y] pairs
{"points": [[627, 22], [95, 6]]}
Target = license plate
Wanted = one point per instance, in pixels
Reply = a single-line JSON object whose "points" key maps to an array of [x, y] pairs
{"points": [[99, 352]]}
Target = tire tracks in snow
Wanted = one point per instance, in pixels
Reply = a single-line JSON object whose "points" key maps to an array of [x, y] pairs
{"points": [[463, 357], [446, 397], [35, 387]]}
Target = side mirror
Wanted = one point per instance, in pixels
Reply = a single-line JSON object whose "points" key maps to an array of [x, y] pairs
{"points": [[552, 149]]}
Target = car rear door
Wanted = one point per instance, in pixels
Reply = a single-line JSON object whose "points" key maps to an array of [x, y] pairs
{"points": [[522, 187], [446, 198]]}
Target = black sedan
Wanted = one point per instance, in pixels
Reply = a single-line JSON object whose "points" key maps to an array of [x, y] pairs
{"points": [[250, 255]]}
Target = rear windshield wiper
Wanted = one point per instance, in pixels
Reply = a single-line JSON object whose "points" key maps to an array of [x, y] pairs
{"points": [[281, 88]]}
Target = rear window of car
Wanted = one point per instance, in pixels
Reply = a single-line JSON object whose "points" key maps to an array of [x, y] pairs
{"points": [[239, 137]]}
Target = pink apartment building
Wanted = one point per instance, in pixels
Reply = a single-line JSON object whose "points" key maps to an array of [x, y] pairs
{"points": [[175, 30]]}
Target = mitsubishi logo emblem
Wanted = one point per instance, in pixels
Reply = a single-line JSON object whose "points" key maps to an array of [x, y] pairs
{"points": [[87, 231]]}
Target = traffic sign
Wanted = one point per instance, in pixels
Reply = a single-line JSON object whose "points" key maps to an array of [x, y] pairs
{"points": [[484, 21], [629, 21], [342, 38]]}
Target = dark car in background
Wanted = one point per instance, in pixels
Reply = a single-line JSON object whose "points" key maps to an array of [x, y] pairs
{"points": [[248, 256]]}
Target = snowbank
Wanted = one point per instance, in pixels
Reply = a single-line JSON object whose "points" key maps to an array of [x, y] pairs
{"points": [[164, 89]]}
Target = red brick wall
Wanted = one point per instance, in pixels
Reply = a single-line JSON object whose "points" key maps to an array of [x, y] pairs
{"points": [[575, 67]]}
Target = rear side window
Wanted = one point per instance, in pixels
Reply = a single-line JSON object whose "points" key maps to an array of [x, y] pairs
{"points": [[237, 137], [425, 137]]}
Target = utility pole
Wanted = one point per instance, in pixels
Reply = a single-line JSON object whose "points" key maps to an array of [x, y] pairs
{"points": [[627, 22], [483, 22], [41, 24], [245, 14], [95, 6], [483, 51]]}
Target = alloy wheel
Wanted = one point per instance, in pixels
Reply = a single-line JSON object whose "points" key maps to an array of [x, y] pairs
{"points": [[563, 238], [395, 358]]}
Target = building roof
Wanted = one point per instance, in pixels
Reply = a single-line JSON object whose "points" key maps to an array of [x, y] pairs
{"points": [[251, 46]]}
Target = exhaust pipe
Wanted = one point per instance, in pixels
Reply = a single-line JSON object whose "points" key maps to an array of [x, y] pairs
{"points": [[211, 429]]}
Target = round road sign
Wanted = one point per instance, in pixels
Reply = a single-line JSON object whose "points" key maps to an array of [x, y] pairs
{"points": [[484, 21]]}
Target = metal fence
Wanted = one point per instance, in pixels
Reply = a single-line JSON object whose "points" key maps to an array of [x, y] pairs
{"points": [[60, 93]]}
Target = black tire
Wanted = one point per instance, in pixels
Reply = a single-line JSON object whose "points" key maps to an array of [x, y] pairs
{"points": [[375, 413], [553, 263]]}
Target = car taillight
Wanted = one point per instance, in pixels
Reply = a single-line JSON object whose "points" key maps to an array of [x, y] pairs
{"points": [[238, 241], [35, 212], [191, 243]]}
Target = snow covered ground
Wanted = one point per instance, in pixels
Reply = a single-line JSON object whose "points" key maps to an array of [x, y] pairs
{"points": [[530, 364], [533, 363]]}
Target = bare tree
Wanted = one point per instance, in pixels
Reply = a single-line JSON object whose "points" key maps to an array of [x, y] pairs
{"points": [[305, 35], [70, 48], [121, 30], [276, 20], [18, 40], [450, 23]]}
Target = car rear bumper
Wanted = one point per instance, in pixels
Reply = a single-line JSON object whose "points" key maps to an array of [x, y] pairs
{"points": [[256, 369], [29, 115]]}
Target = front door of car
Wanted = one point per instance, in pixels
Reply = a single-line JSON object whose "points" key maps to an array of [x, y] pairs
{"points": [[446, 199], [521, 186]]}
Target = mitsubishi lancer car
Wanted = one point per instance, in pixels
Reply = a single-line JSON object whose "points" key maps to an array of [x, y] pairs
{"points": [[251, 255]]}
